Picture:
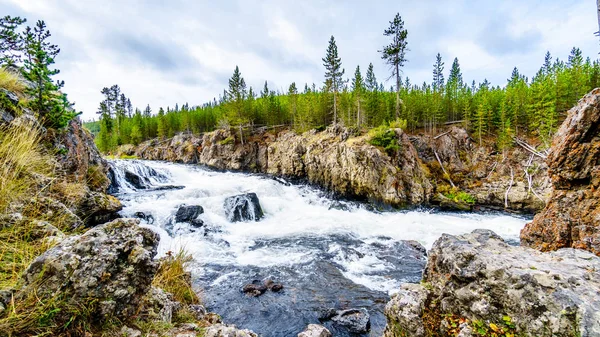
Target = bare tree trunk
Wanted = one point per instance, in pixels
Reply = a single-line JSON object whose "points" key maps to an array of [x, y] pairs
{"points": [[334, 107], [358, 113], [598, 11], [398, 91]]}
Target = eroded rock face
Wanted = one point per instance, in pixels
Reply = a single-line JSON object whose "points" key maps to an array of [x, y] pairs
{"points": [[478, 279], [332, 159], [112, 264], [572, 216]]}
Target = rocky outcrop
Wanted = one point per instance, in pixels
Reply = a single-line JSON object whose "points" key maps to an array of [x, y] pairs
{"points": [[483, 172], [333, 159], [476, 284], [111, 265], [571, 218]]}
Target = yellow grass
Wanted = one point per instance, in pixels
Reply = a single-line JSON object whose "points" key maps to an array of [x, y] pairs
{"points": [[11, 82]]}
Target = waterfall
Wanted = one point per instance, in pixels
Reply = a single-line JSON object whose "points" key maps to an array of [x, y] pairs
{"points": [[133, 175]]}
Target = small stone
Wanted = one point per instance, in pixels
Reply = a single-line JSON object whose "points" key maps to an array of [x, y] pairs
{"points": [[129, 332]]}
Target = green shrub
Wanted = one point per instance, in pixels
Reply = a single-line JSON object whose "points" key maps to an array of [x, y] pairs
{"points": [[460, 196], [399, 124], [386, 138]]}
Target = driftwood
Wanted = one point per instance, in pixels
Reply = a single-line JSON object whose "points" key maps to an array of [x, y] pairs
{"points": [[443, 169], [454, 122], [512, 177], [530, 148], [530, 178], [445, 133], [492, 171]]}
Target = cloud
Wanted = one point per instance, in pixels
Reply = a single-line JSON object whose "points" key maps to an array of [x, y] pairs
{"points": [[184, 51]]}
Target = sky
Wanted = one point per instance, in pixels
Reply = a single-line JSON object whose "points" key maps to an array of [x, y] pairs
{"points": [[177, 51]]}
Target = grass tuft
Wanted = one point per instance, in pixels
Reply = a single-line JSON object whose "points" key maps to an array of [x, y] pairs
{"points": [[23, 162], [172, 277], [11, 82]]}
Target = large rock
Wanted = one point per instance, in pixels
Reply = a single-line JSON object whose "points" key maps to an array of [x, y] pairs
{"points": [[477, 281], [572, 216], [243, 207], [355, 320], [110, 267], [222, 330], [188, 213]]}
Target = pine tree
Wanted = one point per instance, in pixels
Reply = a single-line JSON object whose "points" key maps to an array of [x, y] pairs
{"points": [[11, 42], [438, 73], [394, 54], [333, 72], [162, 124], [52, 106], [357, 90]]}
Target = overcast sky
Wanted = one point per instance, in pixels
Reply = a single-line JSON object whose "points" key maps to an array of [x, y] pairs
{"points": [[177, 51]]}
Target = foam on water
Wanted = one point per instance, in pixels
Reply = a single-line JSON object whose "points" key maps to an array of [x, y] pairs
{"points": [[293, 213]]}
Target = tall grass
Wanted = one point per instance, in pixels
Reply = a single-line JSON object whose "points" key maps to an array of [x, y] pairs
{"points": [[172, 277], [23, 162], [11, 82]]}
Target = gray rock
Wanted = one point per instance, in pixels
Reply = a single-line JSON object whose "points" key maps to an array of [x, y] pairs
{"points": [[199, 311], [315, 330], [222, 330], [11, 96], [243, 207], [111, 264], [479, 277], [188, 213], [129, 332], [159, 305], [355, 320]]}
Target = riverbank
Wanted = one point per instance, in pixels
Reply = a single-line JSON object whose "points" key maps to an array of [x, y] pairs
{"points": [[448, 170]]}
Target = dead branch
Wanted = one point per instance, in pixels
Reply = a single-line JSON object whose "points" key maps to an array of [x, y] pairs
{"points": [[492, 171], [443, 169], [442, 135], [530, 148], [512, 177]]}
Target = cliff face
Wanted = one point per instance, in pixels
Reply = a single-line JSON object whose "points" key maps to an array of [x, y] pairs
{"points": [[572, 216], [332, 159], [346, 163]]}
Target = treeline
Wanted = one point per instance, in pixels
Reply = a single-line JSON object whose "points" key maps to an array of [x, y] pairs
{"points": [[524, 106], [28, 51]]}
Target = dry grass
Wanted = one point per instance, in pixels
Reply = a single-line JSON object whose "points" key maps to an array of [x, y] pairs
{"points": [[11, 82], [172, 277], [23, 163]]}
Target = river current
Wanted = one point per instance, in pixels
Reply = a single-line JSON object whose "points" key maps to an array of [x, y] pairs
{"points": [[327, 253]]}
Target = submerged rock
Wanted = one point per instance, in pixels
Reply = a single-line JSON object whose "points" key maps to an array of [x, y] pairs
{"points": [[315, 330], [111, 265], [188, 213], [243, 207], [149, 218], [478, 281], [571, 217]]}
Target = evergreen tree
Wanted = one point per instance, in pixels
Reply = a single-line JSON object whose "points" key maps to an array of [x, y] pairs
{"points": [[357, 90], [333, 72], [162, 124], [438, 73], [52, 106], [394, 54], [11, 42]]}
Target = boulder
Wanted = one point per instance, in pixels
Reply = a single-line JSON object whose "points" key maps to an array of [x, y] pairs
{"points": [[110, 266], [135, 180], [315, 330], [99, 208], [243, 207], [570, 218], [355, 320], [188, 213], [149, 218], [477, 282]]}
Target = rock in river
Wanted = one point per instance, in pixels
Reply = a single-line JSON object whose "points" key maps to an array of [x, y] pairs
{"points": [[243, 207], [477, 281], [188, 213], [315, 330]]}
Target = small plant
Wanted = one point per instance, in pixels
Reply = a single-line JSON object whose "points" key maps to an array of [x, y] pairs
{"points": [[172, 277], [227, 141], [399, 124], [386, 138], [460, 196]]}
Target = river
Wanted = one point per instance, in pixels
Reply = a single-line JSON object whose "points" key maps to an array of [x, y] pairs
{"points": [[327, 253]]}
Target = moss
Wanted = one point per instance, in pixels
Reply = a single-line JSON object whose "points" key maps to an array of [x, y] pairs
{"points": [[227, 141], [96, 178]]}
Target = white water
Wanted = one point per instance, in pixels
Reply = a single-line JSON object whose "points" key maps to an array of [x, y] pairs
{"points": [[292, 212]]}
